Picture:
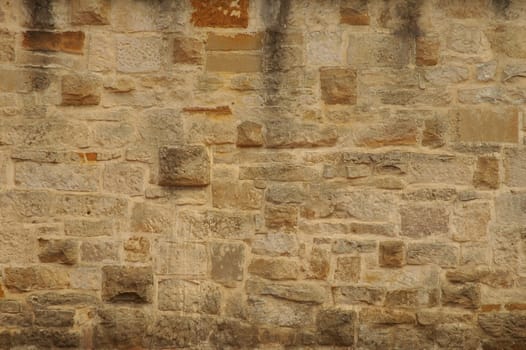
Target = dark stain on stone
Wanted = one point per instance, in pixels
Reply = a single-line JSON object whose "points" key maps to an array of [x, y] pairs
{"points": [[501, 6], [40, 13], [408, 13], [276, 18], [39, 80]]}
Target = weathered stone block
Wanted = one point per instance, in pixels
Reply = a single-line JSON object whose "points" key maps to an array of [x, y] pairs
{"points": [[69, 42], [445, 255], [283, 133], [275, 268], [475, 125], [138, 54], [64, 177], [184, 166], [319, 263], [276, 244], [324, 48], [90, 11], [237, 42], [54, 318], [376, 49], [335, 327], [121, 328], [79, 90], [347, 269], [358, 295], [427, 50], [7, 46], [278, 312], [338, 86], [386, 316], [187, 259], [124, 178], [514, 166], [189, 296], [465, 295], [351, 246], [241, 195], [88, 228], [147, 217], [126, 284], [249, 134], [217, 61], [507, 39], [392, 253], [99, 251], [281, 217], [137, 249], [470, 222], [227, 260], [355, 13], [220, 13], [187, 51], [296, 291], [58, 251], [422, 221], [25, 279], [486, 176]]}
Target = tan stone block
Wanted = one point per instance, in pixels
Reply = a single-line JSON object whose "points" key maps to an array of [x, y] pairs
{"points": [[442, 254], [214, 224], [446, 75], [220, 13], [186, 259], [249, 134], [358, 295], [324, 48], [228, 260], [17, 244], [187, 51], [88, 228], [138, 54], [58, 251], [78, 90], [507, 39], [281, 217], [398, 131], [233, 62], [236, 42], [102, 52], [319, 263], [283, 133], [278, 172], [99, 251], [352, 246], [35, 277], [392, 254], [137, 249], [470, 222], [355, 13], [241, 195], [63, 177], [90, 11], [69, 42], [124, 178], [152, 218], [411, 298], [335, 326], [127, 284], [184, 166], [486, 175], [469, 40], [304, 292], [422, 221], [275, 268], [275, 244], [511, 208], [427, 50], [378, 49], [347, 269], [475, 125], [514, 166], [189, 296], [338, 85], [386, 316], [7, 46], [464, 295]]}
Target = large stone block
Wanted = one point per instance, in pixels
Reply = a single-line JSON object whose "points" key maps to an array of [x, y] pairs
{"points": [[69, 42], [189, 296], [90, 11], [220, 13], [278, 312], [138, 54], [377, 49], [392, 254], [445, 255], [514, 166], [228, 261], [185, 259], [62, 251], [121, 328], [335, 327], [275, 268], [126, 284], [475, 125], [184, 166], [422, 221], [35, 277], [338, 86]]}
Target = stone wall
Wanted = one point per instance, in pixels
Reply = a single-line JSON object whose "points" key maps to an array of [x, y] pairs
{"points": [[308, 174]]}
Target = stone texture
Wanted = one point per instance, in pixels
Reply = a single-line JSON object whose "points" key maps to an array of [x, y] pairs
{"points": [[227, 262], [377, 50], [184, 166], [249, 134], [347, 269], [122, 284], [338, 86], [335, 327], [487, 176], [34, 278], [138, 54], [427, 49], [392, 253], [189, 296], [421, 221], [58, 251], [93, 12], [274, 269], [486, 125], [187, 51], [69, 42], [220, 13], [432, 253]]}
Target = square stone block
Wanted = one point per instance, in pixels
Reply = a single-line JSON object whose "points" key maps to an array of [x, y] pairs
{"points": [[184, 166]]}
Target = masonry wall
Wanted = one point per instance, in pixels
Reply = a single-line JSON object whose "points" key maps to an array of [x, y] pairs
{"points": [[262, 174]]}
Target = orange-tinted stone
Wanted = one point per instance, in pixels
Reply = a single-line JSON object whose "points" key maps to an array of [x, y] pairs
{"points": [[220, 13], [71, 42]]}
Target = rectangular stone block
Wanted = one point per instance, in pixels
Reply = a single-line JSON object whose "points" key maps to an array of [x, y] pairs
{"points": [[220, 13], [186, 259], [236, 42], [214, 224], [392, 254], [338, 86], [358, 295], [99, 251], [228, 260], [127, 284], [29, 278], [422, 221], [347, 269], [486, 125], [189, 296], [124, 178], [138, 54], [278, 312], [514, 167], [94, 12], [442, 254], [335, 326], [79, 90], [233, 62], [69, 42], [275, 268], [187, 50], [7, 46], [63, 251], [184, 166], [64, 177], [380, 50]]}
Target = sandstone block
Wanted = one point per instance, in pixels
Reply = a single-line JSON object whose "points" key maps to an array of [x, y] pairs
{"points": [[296, 291], [79, 90], [121, 328], [275, 268], [235, 334], [220, 13], [126, 284], [376, 49], [249, 134], [358, 295], [227, 260], [278, 172], [504, 325], [17, 244], [486, 176], [324, 48], [470, 222], [69, 42], [187, 51], [355, 13], [347, 269], [475, 125], [276, 244], [99, 251], [442, 254], [138, 54], [184, 166], [7, 46], [124, 178], [392, 253], [507, 38], [58, 251], [236, 42], [469, 40], [64, 177], [137, 249], [335, 327], [427, 50], [319, 263], [88, 228], [511, 207], [465, 295], [411, 298], [514, 165], [282, 133], [29, 278], [173, 330], [278, 312], [147, 217], [281, 217], [241, 195], [186, 259], [217, 61], [215, 224], [386, 316], [92, 12], [189, 296], [54, 318], [422, 221], [338, 86], [351, 246]]}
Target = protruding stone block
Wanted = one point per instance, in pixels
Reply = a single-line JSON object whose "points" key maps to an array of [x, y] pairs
{"points": [[392, 253], [78, 90], [90, 11], [127, 284], [184, 166]]}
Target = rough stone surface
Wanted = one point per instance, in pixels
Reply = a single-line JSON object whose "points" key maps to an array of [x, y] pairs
{"points": [[252, 174]]}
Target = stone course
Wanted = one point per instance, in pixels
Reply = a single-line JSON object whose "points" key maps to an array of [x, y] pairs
{"points": [[253, 174]]}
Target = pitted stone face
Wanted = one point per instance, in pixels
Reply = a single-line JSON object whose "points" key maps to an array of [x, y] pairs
{"points": [[184, 166]]}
